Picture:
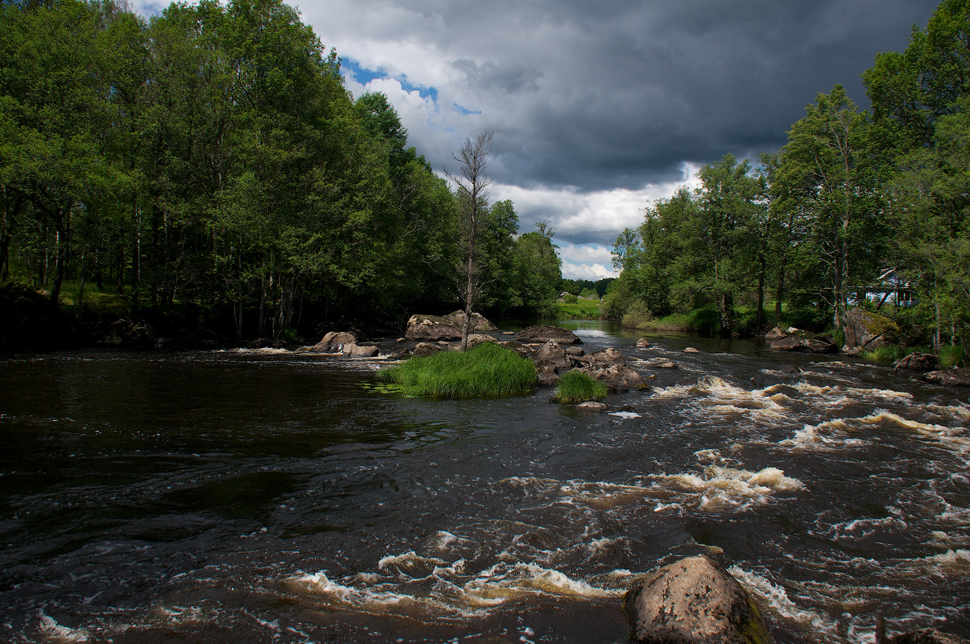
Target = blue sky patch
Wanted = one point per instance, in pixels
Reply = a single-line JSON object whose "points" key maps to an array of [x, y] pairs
{"points": [[465, 111], [364, 75]]}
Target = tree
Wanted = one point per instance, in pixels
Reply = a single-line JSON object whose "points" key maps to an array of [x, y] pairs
{"points": [[472, 182], [538, 270]]}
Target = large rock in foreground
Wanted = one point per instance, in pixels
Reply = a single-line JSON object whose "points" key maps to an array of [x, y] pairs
{"points": [[445, 327], [545, 333], [865, 330], [692, 601], [926, 636]]}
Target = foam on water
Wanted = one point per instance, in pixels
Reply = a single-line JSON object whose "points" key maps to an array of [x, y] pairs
{"points": [[721, 488], [54, 632], [776, 598]]}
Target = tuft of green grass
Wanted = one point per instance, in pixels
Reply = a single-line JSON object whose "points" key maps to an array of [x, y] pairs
{"points": [[484, 371], [889, 353], [576, 387], [953, 356]]}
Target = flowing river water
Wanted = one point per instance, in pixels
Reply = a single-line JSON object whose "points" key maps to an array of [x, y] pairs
{"points": [[261, 496]]}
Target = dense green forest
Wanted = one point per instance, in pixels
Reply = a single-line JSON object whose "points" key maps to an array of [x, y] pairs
{"points": [[860, 208], [209, 165]]}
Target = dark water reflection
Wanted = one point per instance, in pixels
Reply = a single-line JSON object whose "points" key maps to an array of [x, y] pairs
{"points": [[247, 496]]}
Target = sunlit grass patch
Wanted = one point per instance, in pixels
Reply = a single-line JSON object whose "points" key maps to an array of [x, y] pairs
{"points": [[576, 387], [579, 310], [487, 370]]}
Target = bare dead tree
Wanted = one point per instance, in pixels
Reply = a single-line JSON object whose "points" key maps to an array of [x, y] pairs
{"points": [[472, 181]]}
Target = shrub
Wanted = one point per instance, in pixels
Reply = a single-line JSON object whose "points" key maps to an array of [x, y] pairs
{"points": [[952, 356], [486, 370], [887, 353], [577, 386]]}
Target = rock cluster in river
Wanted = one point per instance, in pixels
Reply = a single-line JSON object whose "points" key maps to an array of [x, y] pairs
{"points": [[797, 340], [445, 327]]}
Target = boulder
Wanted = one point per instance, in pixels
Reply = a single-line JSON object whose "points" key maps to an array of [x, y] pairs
{"points": [[424, 349], [608, 356], [357, 351], [949, 377], [544, 333], [592, 405], [918, 362], [643, 343], [868, 330], [551, 353], [775, 334], [444, 327], [691, 350], [334, 342], [691, 601], [925, 636], [548, 377], [663, 364], [804, 341], [574, 351], [476, 339], [617, 378]]}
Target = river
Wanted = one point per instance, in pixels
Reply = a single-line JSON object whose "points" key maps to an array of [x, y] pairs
{"points": [[264, 496]]}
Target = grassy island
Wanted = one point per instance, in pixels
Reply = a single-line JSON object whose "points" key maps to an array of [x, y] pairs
{"points": [[484, 371], [575, 387]]}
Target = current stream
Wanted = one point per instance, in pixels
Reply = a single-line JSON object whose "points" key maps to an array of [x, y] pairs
{"points": [[265, 496]]}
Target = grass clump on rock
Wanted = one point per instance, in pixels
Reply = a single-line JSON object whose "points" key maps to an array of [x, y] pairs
{"points": [[576, 386], [486, 370]]}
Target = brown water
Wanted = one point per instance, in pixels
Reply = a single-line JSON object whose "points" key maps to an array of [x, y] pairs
{"points": [[268, 497]]}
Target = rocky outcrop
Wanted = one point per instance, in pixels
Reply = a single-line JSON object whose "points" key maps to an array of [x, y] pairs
{"points": [[949, 377], [918, 362], [445, 327], [424, 349], [606, 357], [334, 342], [691, 601], [865, 330], [775, 334], [357, 351], [618, 378], [544, 333]]}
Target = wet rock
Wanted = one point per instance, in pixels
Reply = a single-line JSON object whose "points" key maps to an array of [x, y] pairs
{"points": [[608, 356], [508, 332], [403, 354], [617, 378], [476, 339], [643, 343], [868, 330], [424, 349], [789, 368], [334, 342], [548, 377], [443, 343], [949, 377], [544, 333], [357, 351], [804, 341], [399, 340], [691, 601], [574, 351], [691, 350], [553, 354], [593, 406], [918, 362], [926, 636], [663, 364]]}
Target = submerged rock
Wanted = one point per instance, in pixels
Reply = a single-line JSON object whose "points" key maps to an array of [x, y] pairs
{"points": [[949, 377], [544, 333], [691, 601]]}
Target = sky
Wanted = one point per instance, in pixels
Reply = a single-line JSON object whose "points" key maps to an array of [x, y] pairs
{"points": [[601, 107]]}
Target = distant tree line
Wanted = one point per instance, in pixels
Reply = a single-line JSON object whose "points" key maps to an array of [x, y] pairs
{"points": [[211, 159], [864, 207]]}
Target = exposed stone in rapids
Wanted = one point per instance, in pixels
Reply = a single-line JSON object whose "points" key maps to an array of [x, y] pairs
{"points": [[608, 356], [693, 601], [643, 343], [547, 375], [357, 351], [592, 405], [617, 378], [544, 333], [424, 349], [950, 377], [334, 342], [804, 341], [691, 350], [663, 364], [553, 354], [918, 362]]}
